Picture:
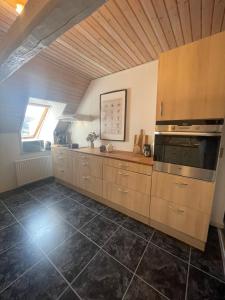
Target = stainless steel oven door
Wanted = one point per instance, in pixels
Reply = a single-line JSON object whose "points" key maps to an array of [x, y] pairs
{"points": [[203, 174]]}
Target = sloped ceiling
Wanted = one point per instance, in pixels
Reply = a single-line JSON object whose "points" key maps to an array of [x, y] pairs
{"points": [[120, 35]]}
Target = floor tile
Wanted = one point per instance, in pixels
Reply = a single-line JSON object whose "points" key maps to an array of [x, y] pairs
{"points": [[139, 228], [72, 256], [64, 207], [164, 272], [44, 191], [51, 199], [114, 215], [171, 245], [6, 217], [95, 206], [69, 295], [8, 194], [17, 200], [47, 231], [202, 286], [99, 230], [79, 197], [104, 278], [63, 190], [11, 235], [40, 221], [38, 184], [16, 261], [27, 209], [52, 237], [126, 247], [73, 212], [210, 260], [139, 290], [41, 282]]}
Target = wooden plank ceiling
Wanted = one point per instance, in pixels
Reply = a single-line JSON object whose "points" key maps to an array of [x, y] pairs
{"points": [[120, 35], [126, 33]]}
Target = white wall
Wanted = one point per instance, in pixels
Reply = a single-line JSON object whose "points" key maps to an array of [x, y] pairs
{"points": [[141, 83]]}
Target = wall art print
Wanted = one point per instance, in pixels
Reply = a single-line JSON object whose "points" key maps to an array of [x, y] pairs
{"points": [[113, 115]]}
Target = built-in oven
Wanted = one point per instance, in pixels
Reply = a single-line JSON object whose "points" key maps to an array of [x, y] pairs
{"points": [[188, 148]]}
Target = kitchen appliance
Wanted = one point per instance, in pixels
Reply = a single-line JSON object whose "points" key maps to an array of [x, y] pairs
{"points": [[147, 150], [188, 148]]}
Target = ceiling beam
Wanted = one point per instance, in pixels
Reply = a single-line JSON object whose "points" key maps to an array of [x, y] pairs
{"points": [[39, 25]]}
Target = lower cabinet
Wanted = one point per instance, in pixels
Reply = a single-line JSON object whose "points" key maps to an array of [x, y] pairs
{"points": [[62, 166], [127, 198], [181, 218], [181, 203]]}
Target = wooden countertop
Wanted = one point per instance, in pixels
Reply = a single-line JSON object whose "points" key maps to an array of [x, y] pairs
{"points": [[117, 154]]}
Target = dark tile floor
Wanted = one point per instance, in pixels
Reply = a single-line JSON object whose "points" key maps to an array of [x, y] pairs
{"points": [[58, 244]]}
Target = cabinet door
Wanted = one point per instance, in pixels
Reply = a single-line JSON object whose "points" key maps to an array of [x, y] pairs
{"points": [[134, 181], [180, 218], [192, 193], [191, 81], [90, 165], [134, 201]]}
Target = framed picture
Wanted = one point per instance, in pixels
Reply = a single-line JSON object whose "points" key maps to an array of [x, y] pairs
{"points": [[113, 107]]}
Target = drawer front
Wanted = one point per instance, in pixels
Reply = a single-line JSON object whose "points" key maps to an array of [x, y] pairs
{"points": [[181, 218], [129, 166], [90, 165], [192, 193], [127, 198], [135, 181], [91, 184]]}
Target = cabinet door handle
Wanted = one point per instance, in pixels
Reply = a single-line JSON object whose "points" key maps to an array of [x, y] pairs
{"points": [[123, 174], [122, 191], [122, 166], [180, 210], [181, 184], [161, 108], [84, 163], [85, 177]]}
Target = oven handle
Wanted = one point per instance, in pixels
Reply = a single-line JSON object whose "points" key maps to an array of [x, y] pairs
{"points": [[188, 133]]}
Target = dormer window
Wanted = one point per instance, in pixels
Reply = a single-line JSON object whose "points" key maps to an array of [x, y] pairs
{"points": [[33, 121]]}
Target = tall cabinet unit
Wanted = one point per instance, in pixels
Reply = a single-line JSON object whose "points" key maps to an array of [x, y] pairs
{"points": [[191, 81]]}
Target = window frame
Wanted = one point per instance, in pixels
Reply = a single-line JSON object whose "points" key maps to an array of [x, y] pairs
{"points": [[40, 123]]}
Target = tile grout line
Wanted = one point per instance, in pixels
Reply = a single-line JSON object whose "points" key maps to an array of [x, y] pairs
{"points": [[187, 281], [210, 275], [21, 275], [100, 249], [166, 251], [49, 260], [134, 273]]}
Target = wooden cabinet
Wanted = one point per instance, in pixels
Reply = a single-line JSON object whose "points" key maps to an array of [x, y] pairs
{"points": [[181, 218], [181, 203], [191, 81], [90, 165], [188, 192], [129, 166], [125, 197], [134, 181], [62, 166], [127, 185]]}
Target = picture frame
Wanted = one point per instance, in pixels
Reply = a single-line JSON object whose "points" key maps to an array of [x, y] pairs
{"points": [[113, 109]]}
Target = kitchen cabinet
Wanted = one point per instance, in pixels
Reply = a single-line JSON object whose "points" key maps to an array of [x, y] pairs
{"points": [[62, 167], [128, 198], [191, 81], [182, 203]]}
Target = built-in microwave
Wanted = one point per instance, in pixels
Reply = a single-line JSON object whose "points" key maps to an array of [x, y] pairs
{"points": [[188, 148]]}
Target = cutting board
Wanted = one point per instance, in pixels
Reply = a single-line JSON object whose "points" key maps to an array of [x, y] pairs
{"points": [[140, 140]]}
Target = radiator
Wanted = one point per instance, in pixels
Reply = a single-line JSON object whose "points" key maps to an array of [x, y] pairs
{"points": [[33, 169]]}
